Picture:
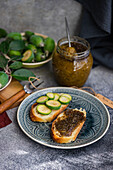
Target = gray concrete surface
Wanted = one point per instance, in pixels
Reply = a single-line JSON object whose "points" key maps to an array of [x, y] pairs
{"points": [[42, 16]]}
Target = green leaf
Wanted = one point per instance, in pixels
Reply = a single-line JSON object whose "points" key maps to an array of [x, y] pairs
{"points": [[17, 45], [3, 62], [15, 36], [4, 47], [15, 57], [22, 74], [16, 65], [3, 33]]}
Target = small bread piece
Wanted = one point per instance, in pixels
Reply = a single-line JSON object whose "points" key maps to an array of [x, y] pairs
{"points": [[66, 127], [37, 117]]}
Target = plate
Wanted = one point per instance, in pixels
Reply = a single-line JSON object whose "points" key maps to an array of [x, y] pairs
{"points": [[95, 127], [9, 81], [38, 64]]}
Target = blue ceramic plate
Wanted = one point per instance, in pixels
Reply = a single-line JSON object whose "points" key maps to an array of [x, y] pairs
{"points": [[95, 127]]}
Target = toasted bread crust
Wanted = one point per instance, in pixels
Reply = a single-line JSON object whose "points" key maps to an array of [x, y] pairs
{"points": [[65, 139], [35, 118]]}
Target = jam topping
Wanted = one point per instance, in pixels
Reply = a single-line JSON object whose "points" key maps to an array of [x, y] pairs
{"points": [[71, 119]]}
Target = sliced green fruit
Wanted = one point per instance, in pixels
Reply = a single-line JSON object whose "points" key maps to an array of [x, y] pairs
{"points": [[49, 45], [56, 96], [50, 95], [67, 95], [42, 99], [53, 104], [16, 65], [44, 110], [14, 53], [64, 100], [40, 56], [15, 36], [32, 47], [28, 56], [37, 40], [28, 34], [3, 79]]}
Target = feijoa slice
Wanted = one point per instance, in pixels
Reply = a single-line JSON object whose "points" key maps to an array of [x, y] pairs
{"points": [[43, 109], [50, 95], [53, 104], [42, 99], [56, 96], [28, 56], [64, 100], [67, 95]]}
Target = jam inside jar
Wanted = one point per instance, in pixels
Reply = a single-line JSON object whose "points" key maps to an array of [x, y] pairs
{"points": [[72, 65]]}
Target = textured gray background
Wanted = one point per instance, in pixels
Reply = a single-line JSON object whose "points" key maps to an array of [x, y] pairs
{"points": [[42, 16]]}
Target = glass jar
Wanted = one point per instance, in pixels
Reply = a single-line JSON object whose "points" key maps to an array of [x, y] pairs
{"points": [[72, 67]]}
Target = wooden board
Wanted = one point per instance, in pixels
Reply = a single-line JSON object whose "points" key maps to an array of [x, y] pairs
{"points": [[11, 90]]}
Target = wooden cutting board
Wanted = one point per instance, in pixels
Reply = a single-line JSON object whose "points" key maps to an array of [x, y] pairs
{"points": [[11, 90]]}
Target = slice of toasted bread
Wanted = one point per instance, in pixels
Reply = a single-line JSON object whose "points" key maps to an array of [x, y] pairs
{"points": [[37, 117], [63, 138]]}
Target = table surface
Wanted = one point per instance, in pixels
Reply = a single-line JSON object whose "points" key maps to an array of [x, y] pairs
{"points": [[18, 151]]}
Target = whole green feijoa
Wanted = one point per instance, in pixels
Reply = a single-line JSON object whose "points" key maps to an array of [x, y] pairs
{"points": [[28, 34], [37, 40], [40, 56], [3, 79], [49, 44], [31, 47], [28, 56], [14, 53], [14, 36]]}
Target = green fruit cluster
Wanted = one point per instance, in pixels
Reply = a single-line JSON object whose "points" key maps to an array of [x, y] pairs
{"points": [[30, 47]]}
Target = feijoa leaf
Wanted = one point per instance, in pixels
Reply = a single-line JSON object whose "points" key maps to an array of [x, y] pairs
{"points": [[4, 47], [3, 33], [16, 65], [22, 74], [17, 45], [16, 58], [3, 79], [3, 62]]}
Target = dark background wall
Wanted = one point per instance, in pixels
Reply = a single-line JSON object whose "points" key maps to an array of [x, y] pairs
{"points": [[42, 16]]}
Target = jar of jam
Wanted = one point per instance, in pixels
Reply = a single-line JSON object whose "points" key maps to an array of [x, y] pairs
{"points": [[72, 65]]}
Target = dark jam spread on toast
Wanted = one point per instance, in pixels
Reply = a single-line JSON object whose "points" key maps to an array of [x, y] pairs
{"points": [[72, 118]]}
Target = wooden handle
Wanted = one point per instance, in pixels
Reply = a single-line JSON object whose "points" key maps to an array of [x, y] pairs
{"points": [[9, 102]]}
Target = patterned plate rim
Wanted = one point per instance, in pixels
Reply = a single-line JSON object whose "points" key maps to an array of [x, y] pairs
{"points": [[67, 147]]}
